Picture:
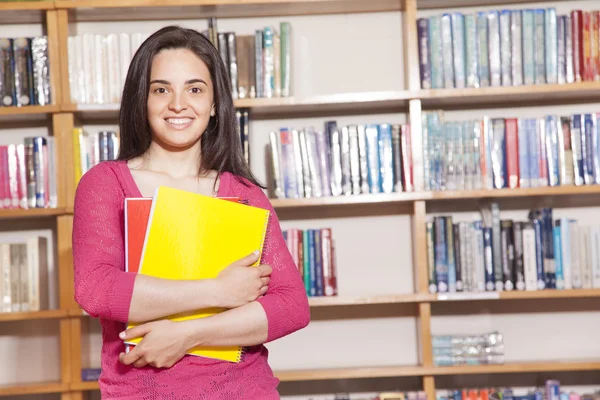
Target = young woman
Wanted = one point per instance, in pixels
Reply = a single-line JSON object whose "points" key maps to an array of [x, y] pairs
{"points": [[178, 129]]}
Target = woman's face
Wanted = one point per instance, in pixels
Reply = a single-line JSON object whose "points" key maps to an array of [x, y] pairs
{"points": [[180, 101]]}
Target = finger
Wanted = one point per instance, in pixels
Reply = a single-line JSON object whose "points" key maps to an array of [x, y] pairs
{"points": [[265, 270], [136, 331], [263, 290], [248, 260], [130, 357], [141, 362], [265, 281]]}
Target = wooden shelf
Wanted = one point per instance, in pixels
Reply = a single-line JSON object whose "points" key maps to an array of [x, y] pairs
{"points": [[517, 295], [32, 315], [537, 366], [26, 113], [24, 12], [30, 213], [360, 199], [33, 388], [510, 95], [382, 299], [115, 10], [348, 373], [83, 386]]}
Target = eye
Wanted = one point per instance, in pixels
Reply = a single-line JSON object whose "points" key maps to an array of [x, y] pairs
{"points": [[196, 90], [160, 90]]}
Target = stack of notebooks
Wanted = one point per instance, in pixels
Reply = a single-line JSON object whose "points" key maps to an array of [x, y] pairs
{"points": [[183, 235]]}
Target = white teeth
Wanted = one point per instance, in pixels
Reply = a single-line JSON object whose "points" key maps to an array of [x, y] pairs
{"points": [[178, 121]]}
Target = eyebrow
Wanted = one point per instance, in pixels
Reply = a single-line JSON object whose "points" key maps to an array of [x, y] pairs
{"points": [[162, 81]]}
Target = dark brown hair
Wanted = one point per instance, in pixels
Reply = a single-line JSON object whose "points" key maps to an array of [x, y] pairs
{"points": [[221, 144]]}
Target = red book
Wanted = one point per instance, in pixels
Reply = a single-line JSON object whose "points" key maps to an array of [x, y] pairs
{"points": [[577, 33], [512, 152]]}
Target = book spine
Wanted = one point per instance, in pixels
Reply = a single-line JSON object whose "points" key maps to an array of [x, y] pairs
{"points": [[539, 46], [565, 252], [441, 261], [424, 57], [516, 37], [446, 30], [569, 61], [471, 56], [528, 47], [561, 48], [431, 251], [508, 254], [286, 59], [551, 45], [458, 49], [488, 259], [386, 157], [577, 38], [450, 254], [436, 56], [575, 254], [319, 290], [558, 257], [482, 49], [493, 18], [551, 146], [505, 47], [519, 271], [529, 256]]}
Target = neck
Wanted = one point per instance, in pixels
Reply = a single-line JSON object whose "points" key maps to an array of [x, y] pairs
{"points": [[175, 163]]}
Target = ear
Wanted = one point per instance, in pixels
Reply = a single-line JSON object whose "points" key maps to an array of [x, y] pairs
{"points": [[212, 111]]}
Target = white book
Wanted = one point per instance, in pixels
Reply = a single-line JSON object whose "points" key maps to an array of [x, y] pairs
{"points": [[113, 69], [576, 280], [100, 70], [89, 67], [125, 55], [529, 258], [585, 259], [595, 255]]}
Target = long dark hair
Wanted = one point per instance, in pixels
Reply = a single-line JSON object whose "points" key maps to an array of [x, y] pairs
{"points": [[221, 148]]}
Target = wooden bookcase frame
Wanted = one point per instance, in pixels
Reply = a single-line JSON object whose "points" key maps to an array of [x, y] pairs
{"points": [[65, 116]]}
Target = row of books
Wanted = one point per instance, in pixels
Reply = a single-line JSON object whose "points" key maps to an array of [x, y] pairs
{"points": [[313, 251], [551, 390], [508, 48], [24, 279], [258, 65], [496, 254], [98, 65], [28, 174], [90, 148], [487, 348], [24, 72], [495, 153], [344, 160]]}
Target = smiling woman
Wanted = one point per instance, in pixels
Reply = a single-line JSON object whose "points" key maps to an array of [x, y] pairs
{"points": [[177, 129]]}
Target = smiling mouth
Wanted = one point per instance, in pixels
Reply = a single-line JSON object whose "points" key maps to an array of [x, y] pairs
{"points": [[179, 123]]}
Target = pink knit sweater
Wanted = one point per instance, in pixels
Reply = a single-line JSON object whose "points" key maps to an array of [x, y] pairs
{"points": [[104, 290]]}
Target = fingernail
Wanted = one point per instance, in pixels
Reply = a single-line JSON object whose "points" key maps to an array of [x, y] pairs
{"points": [[256, 252], [122, 335]]}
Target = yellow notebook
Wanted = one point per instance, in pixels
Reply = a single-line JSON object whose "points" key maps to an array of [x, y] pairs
{"points": [[191, 236]]}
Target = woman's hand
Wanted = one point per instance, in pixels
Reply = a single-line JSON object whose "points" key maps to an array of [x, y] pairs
{"points": [[163, 344], [240, 283]]}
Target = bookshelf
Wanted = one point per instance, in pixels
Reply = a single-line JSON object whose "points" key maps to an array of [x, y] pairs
{"points": [[63, 116]]}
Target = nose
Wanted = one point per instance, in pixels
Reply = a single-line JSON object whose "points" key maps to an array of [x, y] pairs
{"points": [[178, 102]]}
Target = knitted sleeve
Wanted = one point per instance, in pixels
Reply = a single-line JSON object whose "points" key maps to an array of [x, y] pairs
{"points": [[102, 287], [286, 302]]}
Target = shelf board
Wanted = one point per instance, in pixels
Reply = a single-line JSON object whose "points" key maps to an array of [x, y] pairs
{"points": [[522, 367], [24, 12], [83, 386], [364, 300], [19, 213], [510, 95], [567, 190], [26, 112], [348, 373], [517, 295], [359, 199], [33, 388], [32, 315], [381, 102], [113, 10]]}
